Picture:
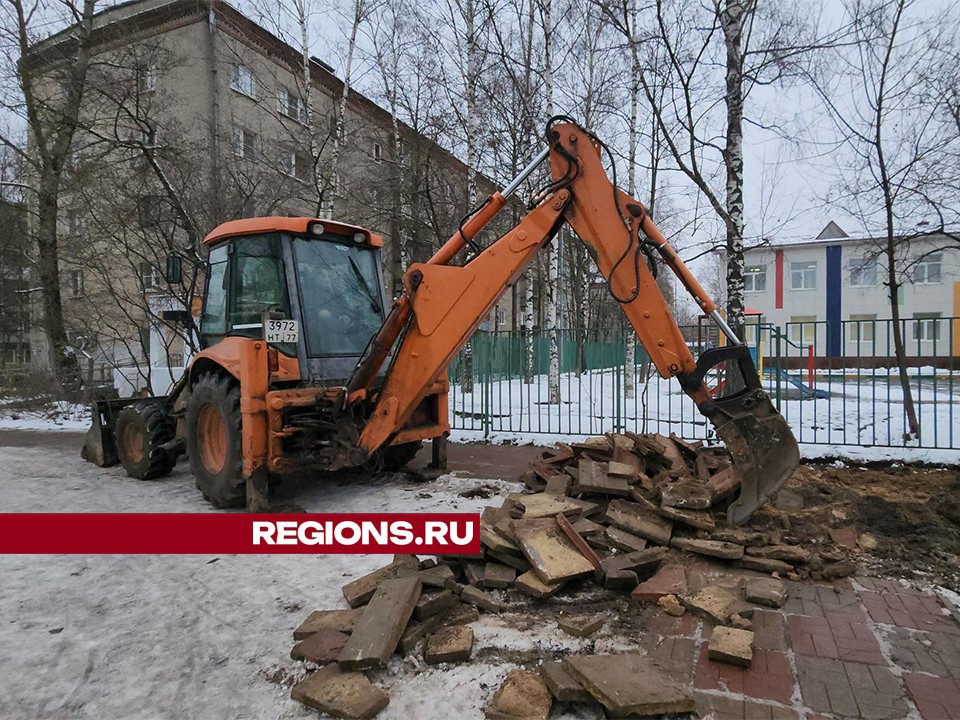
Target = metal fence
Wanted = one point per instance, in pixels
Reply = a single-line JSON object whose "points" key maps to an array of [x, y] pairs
{"points": [[835, 384]]}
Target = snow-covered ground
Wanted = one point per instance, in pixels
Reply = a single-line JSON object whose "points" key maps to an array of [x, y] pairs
{"points": [[862, 418], [199, 636], [57, 415]]}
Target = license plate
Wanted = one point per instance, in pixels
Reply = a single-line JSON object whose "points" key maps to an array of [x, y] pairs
{"points": [[282, 331]]}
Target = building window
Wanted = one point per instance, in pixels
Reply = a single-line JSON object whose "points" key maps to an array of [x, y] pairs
{"points": [[294, 165], [244, 142], [803, 275], [291, 105], [147, 78], [377, 152], [150, 210], [73, 221], [863, 272], [861, 328], [340, 184], [754, 278], [149, 276], [926, 326], [148, 136], [803, 329], [928, 269], [243, 81], [75, 283]]}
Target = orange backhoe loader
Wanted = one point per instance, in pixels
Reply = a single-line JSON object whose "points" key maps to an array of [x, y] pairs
{"points": [[301, 368]]}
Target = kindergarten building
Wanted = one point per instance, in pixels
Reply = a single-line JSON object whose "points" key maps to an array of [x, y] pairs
{"points": [[831, 293]]}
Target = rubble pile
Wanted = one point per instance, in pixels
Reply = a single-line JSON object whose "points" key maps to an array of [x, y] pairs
{"points": [[627, 512]]}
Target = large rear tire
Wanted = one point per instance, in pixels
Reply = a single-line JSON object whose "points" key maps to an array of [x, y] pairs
{"points": [[141, 431], [396, 456], [214, 446]]}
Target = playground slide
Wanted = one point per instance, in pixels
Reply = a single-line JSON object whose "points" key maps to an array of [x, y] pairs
{"points": [[808, 392]]}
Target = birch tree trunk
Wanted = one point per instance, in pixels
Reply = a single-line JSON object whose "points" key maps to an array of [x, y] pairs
{"points": [[530, 138], [553, 251], [629, 377], [731, 18], [333, 180], [471, 75]]}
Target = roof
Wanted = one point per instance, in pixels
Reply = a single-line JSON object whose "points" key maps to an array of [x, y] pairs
{"points": [[833, 234], [295, 225], [121, 23]]}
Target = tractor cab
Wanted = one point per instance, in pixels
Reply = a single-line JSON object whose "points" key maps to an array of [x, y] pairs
{"points": [[311, 288]]}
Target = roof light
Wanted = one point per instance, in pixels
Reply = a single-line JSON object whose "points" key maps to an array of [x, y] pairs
{"points": [[318, 229], [359, 237]]}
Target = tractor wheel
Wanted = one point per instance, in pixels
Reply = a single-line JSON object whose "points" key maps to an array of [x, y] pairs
{"points": [[141, 431], [213, 440], [396, 456]]}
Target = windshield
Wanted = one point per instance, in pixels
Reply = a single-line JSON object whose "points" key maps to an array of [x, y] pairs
{"points": [[340, 295]]}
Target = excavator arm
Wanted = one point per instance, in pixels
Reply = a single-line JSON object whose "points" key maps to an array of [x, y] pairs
{"points": [[442, 305]]}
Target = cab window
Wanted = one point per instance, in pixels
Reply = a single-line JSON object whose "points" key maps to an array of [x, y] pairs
{"points": [[257, 283], [213, 318]]}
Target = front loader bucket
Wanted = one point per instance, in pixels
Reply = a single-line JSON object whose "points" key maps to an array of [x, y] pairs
{"points": [[764, 450]]}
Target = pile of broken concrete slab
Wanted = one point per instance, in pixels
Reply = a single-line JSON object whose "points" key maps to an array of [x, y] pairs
{"points": [[624, 511]]}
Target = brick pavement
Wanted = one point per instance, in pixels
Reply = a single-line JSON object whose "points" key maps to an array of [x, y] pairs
{"points": [[862, 648]]}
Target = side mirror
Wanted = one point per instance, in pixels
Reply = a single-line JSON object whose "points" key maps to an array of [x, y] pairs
{"points": [[174, 272]]}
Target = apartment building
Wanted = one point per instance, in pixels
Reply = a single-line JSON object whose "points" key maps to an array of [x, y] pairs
{"points": [[830, 292], [193, 115]]}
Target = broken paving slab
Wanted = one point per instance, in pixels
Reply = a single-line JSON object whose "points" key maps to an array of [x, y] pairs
{"points": [[578, 542], [498, 577], [731, 645], [787, 553], [552, 555], [559, 485], [436, 576], [538, 505], [623, 572], [477, 597], [530, 584], [347, 695], [740, 536], [563, 687], [687, 494], [359, 591], [339, 620], [595, 479], [629, 685], [522, 696], [639, 520], [322, 647], [431, 602], [668, 580], [766, 591], [693, 518], [378, 631], [766, 565], [710, 548], [712, 603], [450, 644], [417, 630], [581, 626], [623, 540]]}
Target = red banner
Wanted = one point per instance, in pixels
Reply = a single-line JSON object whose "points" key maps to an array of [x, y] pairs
{"points": [[238, 533]]}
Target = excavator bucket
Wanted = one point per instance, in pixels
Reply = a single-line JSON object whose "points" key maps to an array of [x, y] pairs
{"points": [[764, 450]]}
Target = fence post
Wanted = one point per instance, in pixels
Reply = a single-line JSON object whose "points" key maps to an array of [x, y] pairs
{"points": [[810, 380]]}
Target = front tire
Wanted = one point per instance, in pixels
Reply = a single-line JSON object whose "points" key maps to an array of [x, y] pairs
{"points": [[141, 431], [214, 445]]}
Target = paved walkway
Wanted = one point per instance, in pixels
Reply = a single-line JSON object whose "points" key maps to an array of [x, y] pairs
{"points": [[861, 648]]}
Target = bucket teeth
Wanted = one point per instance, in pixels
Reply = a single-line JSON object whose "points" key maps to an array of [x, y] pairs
{"points": [[762, 445]]}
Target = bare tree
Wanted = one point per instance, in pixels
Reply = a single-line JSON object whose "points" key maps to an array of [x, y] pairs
{"points": [[51, 108], [895, 117]]}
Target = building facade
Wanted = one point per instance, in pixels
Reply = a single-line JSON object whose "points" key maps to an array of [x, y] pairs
{"points": [[193, 115], [831, 293]]}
